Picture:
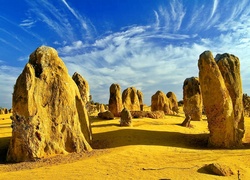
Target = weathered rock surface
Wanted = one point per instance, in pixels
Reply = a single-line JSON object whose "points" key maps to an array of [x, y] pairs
{"points": [[126, 118], [106, 115], [246, 103], [174, 102], [229, 66], [4, 111], [49, 116], [102, 108], [115, 100], [218, 169], [140, 97], [82, 85], [148, 114], [130, 99], [160, 102], [217, 103], [192, 99]]}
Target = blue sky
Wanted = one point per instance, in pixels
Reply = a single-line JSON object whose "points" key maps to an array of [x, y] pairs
{"points": [[149, 44]]}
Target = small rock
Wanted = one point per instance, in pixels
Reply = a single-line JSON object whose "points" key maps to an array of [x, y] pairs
{"points": [[126, 118], [106, 115], [218, 169]]}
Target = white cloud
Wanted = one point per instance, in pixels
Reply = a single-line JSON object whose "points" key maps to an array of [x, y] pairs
{"points": [[54, 16], [28, 23], [215, 4], [170, 18], [71, 48], [8, 76]]}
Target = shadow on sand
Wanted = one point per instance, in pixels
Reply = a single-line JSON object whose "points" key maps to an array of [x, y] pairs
{"points": [[4, 144], [126, 137]]}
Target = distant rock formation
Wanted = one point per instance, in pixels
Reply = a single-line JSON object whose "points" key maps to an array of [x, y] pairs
{"points": [[218, 103], [102, 108], [126, 118], [229, 66], [130, 99], [246, 103], [49, 116], [160, 102], [148, 114], [115, 100], [174, 102], [107, 115], [140, 97], [83, 86], [192, 99], [4, 111]]}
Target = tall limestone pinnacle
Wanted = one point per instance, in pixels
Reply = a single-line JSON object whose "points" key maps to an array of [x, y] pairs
{"points": [[223, 123], [49, 115]]}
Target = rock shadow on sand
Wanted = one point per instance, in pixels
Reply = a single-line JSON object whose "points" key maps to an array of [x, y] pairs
{"points": [[127, 137]]}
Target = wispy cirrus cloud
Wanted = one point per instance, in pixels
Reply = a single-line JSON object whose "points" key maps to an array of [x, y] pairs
{"points": [[27, 23], [170, 17], [57, 19]]}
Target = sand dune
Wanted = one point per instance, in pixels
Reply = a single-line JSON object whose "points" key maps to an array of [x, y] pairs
{"points": [[151, 149]]}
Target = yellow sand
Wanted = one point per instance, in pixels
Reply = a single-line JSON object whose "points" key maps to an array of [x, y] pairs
{"points": [[151, 149]]}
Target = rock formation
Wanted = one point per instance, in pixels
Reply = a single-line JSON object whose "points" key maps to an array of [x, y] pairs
{"points": [[102, 108], [218, 104], [174, 102], [106, 115], [229, 66], [148, 114], [192, 99], [115, 100], [160, 102], [126, 118], [140, 97], [83, 86], [49, 116], [246, 104], [130, 99], [218, 169], [4, 111]]}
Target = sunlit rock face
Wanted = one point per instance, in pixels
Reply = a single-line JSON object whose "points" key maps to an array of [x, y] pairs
{"points": [[115, 100], [160, 102], [218, 104], [229, 66], [130, 99], [126, 118], [83, 86], [140, 97], [192, 99], [174, 102], [49, 116]]}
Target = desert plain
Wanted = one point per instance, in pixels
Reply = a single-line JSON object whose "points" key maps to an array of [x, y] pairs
{"points": [[150, 149]]}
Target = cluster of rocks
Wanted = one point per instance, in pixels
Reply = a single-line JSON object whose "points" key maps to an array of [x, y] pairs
{"points": [[5, 111], [132, 100], [164, 102]]}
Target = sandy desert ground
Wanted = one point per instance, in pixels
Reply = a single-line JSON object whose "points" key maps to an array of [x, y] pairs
{"points": [[151, 149]]}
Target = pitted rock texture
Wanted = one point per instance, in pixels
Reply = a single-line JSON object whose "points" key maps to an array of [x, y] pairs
{"points": [[49, 116]]}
